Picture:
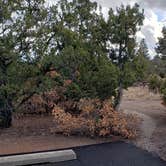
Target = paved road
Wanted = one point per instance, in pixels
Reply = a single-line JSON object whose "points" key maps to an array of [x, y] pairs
{"points": [[112, 154]]}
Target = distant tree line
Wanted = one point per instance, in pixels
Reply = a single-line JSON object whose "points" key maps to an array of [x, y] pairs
{"points": [[157, 68]]}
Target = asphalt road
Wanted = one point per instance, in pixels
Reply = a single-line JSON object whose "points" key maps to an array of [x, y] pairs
{"points": [[112, 154]]}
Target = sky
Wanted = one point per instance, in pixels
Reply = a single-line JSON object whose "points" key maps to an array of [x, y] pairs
{"points": [[155, 18]]}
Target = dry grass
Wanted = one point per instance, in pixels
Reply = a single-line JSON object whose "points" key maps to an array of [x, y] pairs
{"points": [[142, 93]]}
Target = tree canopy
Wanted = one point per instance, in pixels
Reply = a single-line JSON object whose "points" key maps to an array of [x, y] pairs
{"points": [[43, 46]]}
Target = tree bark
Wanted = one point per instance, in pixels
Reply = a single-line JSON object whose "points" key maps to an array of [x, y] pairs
{"points": [[118, 98], [120, 88], [6, 107], [6, 114]]}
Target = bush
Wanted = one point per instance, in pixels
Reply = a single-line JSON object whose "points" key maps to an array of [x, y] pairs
{"points": [[92, 77], [163, 91], [43, 103], [73, 91], [106, 81], [35, 105], [164, 96], [154, 83], [95, 119]]}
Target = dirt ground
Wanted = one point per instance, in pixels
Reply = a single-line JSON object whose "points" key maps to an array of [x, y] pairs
{"points": [[148, 107], [33, 133]]}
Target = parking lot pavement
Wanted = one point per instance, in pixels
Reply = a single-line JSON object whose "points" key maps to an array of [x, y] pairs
{"points": [[112, 154]]}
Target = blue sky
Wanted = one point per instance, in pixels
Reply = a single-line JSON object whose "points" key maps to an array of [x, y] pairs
{"points": [[161, 15]]}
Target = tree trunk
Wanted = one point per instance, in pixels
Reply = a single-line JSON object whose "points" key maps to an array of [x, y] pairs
{"points": [[5, 115], [118, 98], [6, 107], [120, 88]]}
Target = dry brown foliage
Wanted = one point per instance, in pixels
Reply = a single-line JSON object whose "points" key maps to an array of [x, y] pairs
{"points": [[35, 105], [95, 119], [52, 73], [43, 103], [67, 82], [90, 117]]}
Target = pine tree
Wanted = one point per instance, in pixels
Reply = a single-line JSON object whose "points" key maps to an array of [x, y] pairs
{"points": [[21, 55], [161, 46], [160, 60], [143, 49], [123, 25]]}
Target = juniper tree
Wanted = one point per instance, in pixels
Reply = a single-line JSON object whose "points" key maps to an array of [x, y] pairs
{"points": [[22, 71], [123, 26], [83, 50], [7, 58], [160, 60], [141, 62]]}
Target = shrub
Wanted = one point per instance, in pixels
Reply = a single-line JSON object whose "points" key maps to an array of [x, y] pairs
{"points": [[95, 119], [35, 105], [164, 96], [92, 77], [43, 103], [106, 81], [73, 91], [163, 91], [154, 83]]}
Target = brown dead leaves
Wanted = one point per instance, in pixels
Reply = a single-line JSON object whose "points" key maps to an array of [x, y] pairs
{"points": [[95, 119]]}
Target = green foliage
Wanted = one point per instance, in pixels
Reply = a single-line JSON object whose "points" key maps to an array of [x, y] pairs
{"points": [[158, 66], [140, 67], [135, 70], [100, 82], [143, 49], [159, 61], [122, 28], [96, 77], [161, 47], [154, 83], [163, 90], [141, 62], [158, 85], [164, 95], [163, 84], [73, 92], [129, 74], [41, 47], [105, 81]]}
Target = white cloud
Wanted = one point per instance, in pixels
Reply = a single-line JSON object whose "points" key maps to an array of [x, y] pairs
{"points": [[154, 4], [152, 27], [154, 18], [114, 3]]}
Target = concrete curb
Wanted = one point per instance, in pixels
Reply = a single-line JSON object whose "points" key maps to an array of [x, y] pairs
{"points": [[37, 158]]}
